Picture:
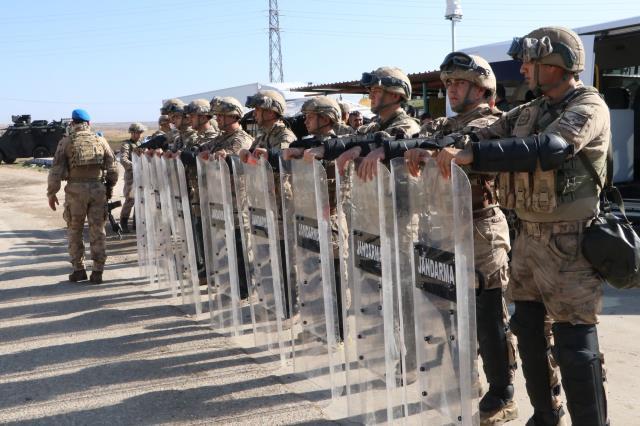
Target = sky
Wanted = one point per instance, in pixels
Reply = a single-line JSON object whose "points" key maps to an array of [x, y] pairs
{"points": [[119, 59]]}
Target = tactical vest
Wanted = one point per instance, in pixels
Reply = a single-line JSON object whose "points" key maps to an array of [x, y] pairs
{"points": [[86, 149], [545, 191]]}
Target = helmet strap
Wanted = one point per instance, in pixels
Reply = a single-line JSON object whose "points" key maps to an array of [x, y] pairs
{"points": [[377, 109], [541, 88]]}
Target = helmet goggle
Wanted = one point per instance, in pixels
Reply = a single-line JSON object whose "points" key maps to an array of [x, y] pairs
{"points": [[528, 49], [259, 101], [372, 79], [459, 60]]}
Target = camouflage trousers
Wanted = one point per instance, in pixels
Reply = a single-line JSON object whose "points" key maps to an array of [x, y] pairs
{"points": [[548, 267], [86, 200], [129, 201]]}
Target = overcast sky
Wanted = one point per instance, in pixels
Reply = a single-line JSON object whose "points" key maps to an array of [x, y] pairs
{"points": [[118, 59]]}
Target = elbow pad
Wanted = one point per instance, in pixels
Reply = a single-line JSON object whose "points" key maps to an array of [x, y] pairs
{"points": [[188, 157], [521, 154], [395, 149], [334, 147]]}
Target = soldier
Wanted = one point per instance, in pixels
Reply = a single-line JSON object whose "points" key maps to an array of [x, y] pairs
{"points": [[341, 128], [135, 130], [164, 126], [198, 114], [543, 151], [355, 120], [273, 135], [471, 87], [232, 138], [389, 88], [174, 108], [87, 163], [321, 114]]}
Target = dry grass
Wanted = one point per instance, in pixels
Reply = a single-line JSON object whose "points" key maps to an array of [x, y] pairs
{"points": [[116, 133]]}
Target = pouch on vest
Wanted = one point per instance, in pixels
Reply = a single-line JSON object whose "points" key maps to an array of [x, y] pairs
{"points": [[543, 197], [86, 150]]}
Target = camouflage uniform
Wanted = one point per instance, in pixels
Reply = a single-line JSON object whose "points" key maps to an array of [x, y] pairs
{"points": [[125, 159], [549, 274], [341, 129], [400, 124], [278, 136], [230, 142], [85, 192]]}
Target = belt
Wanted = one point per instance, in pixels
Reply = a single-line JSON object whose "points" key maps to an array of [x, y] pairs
{"points": [[485, 214], [539, 228], [83, 180]]}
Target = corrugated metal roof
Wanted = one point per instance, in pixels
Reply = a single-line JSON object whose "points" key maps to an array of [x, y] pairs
{"points": [[431, 78]]}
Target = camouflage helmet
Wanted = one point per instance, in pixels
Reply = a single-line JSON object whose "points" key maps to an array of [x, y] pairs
{"points": [[199, 107], [473, 68], [323, 105], [172, 106], [344, 108], [391, 79], [137, 127], [557, 46], [227, 105], [268, 99]]}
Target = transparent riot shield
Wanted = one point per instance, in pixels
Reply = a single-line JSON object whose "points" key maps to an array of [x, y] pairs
{"points": [[220, 247], [161, 228], [316, 334], [288, 232], [177, 247], [207, 237], [434, 258], [139, 206], [262, 247], [161, 188], [150, 207], [183, 234], [373, 286]]}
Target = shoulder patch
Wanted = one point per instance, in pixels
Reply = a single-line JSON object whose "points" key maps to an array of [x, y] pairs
{"points": [[573, 121], [524, 117]]}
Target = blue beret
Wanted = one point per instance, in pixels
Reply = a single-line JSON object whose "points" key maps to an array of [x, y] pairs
{"points": [[80, 114]]}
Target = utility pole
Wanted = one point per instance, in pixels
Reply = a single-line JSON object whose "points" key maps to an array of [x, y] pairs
{"points": [[275, 51], [453, 14]]}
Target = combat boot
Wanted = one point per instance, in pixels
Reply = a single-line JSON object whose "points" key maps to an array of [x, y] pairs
{"points": [[555, 418], [497, 406], [96, 277], [79, 275]]}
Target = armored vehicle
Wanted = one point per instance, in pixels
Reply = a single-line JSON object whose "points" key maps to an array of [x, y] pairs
{"points": [[26, 138]]}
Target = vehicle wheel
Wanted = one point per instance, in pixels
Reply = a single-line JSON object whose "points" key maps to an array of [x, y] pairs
{"points": [[40, 152], [9, 160]]}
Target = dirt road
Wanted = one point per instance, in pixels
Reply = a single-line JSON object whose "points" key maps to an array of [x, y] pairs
{"points": [[115, 353], [120, 354]]}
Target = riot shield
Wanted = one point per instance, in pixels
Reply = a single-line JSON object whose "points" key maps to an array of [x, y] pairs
{"points": [[207, 237], [149, 213], [177, 242], [139, 206], [434, 259], [372, 288], [220, 246], [169, 267], [262, 247], [160, 227], [183, 234], [318, 355]]}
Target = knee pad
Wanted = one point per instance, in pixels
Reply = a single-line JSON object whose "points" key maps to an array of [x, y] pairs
{"points": [[577, 352]]}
